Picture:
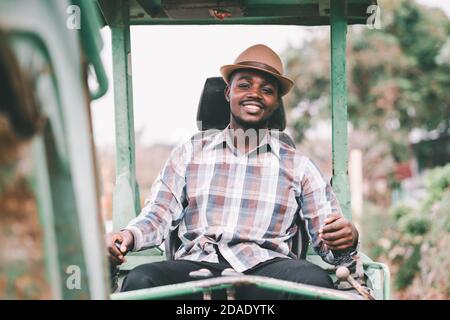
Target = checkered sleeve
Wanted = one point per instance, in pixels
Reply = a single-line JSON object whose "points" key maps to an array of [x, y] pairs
{"points": [[163, 208], [318, 201]]}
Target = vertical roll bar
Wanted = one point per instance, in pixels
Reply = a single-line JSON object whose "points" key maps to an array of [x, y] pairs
{"points": [[126, 194], [338, 17]]}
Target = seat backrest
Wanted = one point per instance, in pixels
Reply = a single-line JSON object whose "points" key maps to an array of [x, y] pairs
{"points": [[300, 241], [214, 113]]}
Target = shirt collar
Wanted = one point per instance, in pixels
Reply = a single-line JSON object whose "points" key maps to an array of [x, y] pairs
{"points": [[271, 138]]}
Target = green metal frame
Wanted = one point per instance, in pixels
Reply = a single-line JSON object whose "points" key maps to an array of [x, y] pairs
{"points": [[374, 269], [340, 180], [126, 202], [92, 44], [40, 182], [64, 176], [254, 12], [52, 173], [126, 199], [221, 283]]}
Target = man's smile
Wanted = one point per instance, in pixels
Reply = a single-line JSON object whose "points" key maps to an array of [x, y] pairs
{"points": [[252, 107]]}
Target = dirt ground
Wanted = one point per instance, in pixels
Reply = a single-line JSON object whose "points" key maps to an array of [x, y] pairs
{"points": [[22, 265]]}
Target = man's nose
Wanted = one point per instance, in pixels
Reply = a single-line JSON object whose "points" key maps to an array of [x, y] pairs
{"points": [[254, 93]]}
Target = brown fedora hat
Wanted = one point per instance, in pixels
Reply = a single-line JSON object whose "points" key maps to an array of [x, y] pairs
{"points": [[259, 57]]}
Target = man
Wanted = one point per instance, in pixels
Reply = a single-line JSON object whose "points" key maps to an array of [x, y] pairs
{"points": [[235, 196]]}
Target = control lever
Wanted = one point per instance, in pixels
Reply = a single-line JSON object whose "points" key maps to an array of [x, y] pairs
{"points": [[343, 274], [114, 271], [202, 274]]}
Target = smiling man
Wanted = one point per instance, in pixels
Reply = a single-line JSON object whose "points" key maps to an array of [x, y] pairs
{"points": [[235, 196]]}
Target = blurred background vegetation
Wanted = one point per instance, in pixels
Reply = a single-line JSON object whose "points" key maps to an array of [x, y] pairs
{"points": [[399, 114]]}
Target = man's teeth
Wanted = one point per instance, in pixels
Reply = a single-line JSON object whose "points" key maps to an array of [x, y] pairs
{"points": [[252, 106]]}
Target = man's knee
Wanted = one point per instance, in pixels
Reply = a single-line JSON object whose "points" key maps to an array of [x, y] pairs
{"points": [[322, 279], [140, 277], [316, 276], [305, 272]]}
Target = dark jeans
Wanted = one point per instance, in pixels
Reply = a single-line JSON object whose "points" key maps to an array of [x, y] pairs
{"points": [[171, 272]]}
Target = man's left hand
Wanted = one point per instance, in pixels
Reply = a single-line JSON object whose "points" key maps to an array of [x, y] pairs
{"points": [[338, 233]]}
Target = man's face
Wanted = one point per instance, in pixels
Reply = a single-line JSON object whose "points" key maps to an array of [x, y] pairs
{"points": [[253, 97]]}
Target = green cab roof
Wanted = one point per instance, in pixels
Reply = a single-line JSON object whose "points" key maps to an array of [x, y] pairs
{"points": [[251, 12]]}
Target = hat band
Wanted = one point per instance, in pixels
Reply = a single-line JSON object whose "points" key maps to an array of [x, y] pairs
{"points": [[259, 65]]}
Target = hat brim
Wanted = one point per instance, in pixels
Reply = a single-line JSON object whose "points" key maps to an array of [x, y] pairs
{"points": [[285, 83]]}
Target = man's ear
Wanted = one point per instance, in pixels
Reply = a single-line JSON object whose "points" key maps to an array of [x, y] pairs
{"points": [[226, 92]]}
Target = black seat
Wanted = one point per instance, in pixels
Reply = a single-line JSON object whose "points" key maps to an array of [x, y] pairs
{"points": [[214, 113]]}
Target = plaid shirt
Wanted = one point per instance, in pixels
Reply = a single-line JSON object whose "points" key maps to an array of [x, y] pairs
{"points": [[242, 204]]}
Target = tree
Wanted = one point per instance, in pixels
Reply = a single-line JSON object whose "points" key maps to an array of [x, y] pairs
{"points": [[398, 77]]}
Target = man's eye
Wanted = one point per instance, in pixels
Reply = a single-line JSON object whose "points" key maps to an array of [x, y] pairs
{"points": [[268, 90], [244, 85]]}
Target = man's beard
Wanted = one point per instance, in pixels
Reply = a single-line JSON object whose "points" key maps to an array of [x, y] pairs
{"points": [[262, 124]]}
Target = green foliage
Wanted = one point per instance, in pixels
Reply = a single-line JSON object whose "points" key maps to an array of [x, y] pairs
{"points": [[400, 151], [396, 81], [373, 229], [437, 183], [414, 240], [438, 179], [300, 127], [414, 225], [399, 211], [409, 269]]}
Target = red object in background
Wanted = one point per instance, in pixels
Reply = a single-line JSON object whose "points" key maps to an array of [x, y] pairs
{"points": [[403, 171], [221, 13]]}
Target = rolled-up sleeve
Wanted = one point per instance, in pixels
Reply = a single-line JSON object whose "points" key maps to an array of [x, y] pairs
{"points": [[163, 208], [318, 201]]}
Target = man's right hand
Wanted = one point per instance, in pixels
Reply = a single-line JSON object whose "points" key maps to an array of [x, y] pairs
{"points": [[126, 241]]}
